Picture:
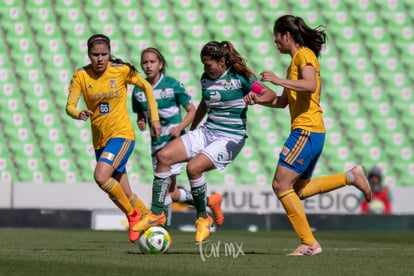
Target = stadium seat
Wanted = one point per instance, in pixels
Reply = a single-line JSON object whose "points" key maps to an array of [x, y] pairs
{"points": [[62, 170], [406, 173], [270, 10], [8, 173]]}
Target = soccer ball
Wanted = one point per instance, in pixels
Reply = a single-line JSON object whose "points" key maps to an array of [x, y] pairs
{"points": [[154, 240], [376, 207]]}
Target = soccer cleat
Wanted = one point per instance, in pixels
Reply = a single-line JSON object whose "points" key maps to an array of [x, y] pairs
{"points": [[133, 219], [149, 220], [214, 202], [358, 178], [307, 250], [203, 226]]}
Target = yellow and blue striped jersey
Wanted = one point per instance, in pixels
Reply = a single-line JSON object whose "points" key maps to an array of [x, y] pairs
{"points": [[106, 97], [304, 107]]}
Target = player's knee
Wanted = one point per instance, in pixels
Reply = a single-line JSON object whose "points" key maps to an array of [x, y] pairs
{"points": [[100, 179], [278, 187], [275, 187], [163, 158], [193, 170]]}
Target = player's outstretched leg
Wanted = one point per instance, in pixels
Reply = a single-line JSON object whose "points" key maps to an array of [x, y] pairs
{"points": [[358, 178], [214, 202]]}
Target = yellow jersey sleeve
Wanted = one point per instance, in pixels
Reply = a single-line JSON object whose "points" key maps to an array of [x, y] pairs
{"points": [[146, 87], [304, 107], [73, 98], [106, 97]]}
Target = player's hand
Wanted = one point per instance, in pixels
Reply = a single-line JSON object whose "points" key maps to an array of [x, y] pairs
{"points": [[142, 125], [250, 98], [269, 76], [175, 132], [85, 114], [156, 129]]}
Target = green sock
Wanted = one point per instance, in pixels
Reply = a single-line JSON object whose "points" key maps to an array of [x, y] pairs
{"points": [[160, 187], [199, 196], [168, 211], [188, 196]]}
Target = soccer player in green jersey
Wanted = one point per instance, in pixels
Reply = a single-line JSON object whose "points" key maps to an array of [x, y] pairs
{"points": [[170, 96], [214, 145]]}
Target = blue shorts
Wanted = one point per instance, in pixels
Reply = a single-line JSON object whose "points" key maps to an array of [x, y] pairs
{"points": [[301, 151], [116, 153]]}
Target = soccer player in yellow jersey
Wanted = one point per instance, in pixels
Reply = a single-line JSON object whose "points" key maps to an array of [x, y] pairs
{"points": [[292, 180], [103, 85]]}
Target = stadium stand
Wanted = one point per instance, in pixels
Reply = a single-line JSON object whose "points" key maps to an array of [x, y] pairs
{"points": [[367, 89]]}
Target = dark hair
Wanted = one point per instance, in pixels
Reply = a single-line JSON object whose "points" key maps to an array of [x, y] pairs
{"points": [[301, 32], [103, 39], [225, 49], [375, 171], [159, 56]]}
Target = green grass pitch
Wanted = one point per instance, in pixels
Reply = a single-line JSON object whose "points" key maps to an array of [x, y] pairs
{"points": [[29, 251]]}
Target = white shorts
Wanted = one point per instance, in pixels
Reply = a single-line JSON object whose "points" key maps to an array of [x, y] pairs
{"points": [[220, 147], [175, 169]]}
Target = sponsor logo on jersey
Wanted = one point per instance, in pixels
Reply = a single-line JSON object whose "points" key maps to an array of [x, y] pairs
{"points": [[215, 96]]}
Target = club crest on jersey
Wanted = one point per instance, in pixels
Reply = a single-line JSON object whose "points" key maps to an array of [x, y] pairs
{"points": [[228, 85], [112, 84], [163, 93], [215, 96], [90, 86]]}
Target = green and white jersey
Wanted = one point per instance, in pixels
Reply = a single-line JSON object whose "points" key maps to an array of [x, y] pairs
{"points": [[170, 95], [226, 108]]}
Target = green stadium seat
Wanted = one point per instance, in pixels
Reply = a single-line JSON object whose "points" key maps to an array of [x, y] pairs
{"points": [[62, 170], [31, 170], [27, 157], [302, 5], [215, 177], [87, 168], [268, 143], [270, 10], [159, 14], [229, 176], [7, 170], [253, 173], [189, 15], [406, 173], [391, 6], [397, 145], [321, 169]]}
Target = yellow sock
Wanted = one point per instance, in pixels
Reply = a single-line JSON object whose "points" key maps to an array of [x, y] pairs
{"points": [[117, 195], [323, 184], [138, 204], [296, 215]]}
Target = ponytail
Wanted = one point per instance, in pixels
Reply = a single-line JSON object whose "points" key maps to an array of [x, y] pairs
{"points": [[225, 49]]}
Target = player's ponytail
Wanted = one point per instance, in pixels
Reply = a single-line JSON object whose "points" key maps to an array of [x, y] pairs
{"points": [[301, 33], [225, 49]]}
